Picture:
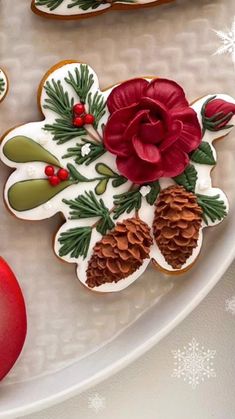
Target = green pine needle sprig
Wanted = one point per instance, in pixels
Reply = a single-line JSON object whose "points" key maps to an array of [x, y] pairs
{"points": [[51, 4], [97, 107], [213, 207], [88, 206], [81, 82], [96, 151], [75, 242], [126, 202]]}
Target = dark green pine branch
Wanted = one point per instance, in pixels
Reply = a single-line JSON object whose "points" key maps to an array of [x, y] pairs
{"points": [[58, 99], [97, 107], [126, 202], [75, 242], [59, 102], [214, 209], [94, 4], [2, 85], [81, 82], [87, 206], [63, 130], [96, 151], [51, 4]]}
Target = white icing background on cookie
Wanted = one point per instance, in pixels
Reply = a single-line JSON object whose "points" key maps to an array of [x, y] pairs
{"points": [[129, 44], [64, 10], [24, 171]]}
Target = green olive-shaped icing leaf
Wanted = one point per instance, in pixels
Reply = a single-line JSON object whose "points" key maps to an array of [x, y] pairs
{"points": [[22, 149], [104, 170], [101, 187], [29, 194]]}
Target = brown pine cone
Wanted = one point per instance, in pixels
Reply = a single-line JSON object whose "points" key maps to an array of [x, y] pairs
{"points": [[176, 226], [120, 253]]}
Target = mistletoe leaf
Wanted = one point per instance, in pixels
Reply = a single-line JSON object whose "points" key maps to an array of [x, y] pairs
{"points": [[188, 178], [102, 186], [28, 194], [22, 149], [104, 170], [203, 154]]}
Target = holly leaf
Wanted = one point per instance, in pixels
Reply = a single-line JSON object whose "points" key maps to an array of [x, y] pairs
{"points": [[203, 154], [153, 194], [188, 178]]}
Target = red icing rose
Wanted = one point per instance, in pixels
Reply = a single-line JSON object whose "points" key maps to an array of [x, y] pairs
{"points": [[151, 129], [218, 113]]}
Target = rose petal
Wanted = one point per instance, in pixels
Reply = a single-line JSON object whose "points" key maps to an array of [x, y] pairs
{"points": [[146, 151], [173, 135], [191, 134], [174, 161], [114, 131], [126, 94], [135, 124], [167, 92], [137, 170], [152, 133]]}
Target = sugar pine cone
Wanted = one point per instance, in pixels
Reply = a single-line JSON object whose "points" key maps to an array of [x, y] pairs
{"points": [[120, 253], [176, 226]]}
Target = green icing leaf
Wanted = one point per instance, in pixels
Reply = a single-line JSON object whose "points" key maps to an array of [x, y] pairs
{"points": [[22, 149], [214, 209], [101, 187], [188, 178], [153, 194], [119, 181], [203, 154], [75, 174], [28, 194], [104, 170]]}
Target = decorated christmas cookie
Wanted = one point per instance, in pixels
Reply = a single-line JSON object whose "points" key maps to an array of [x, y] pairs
{"points": [[12, 319], [3, 85], [129, 168], [74, 9]]}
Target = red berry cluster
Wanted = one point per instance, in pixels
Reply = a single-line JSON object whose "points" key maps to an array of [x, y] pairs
{"points": [[81, 117], [56, 178]]}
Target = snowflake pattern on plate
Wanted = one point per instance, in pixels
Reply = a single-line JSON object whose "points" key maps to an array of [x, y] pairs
{"points": [[227, 38], [96, 402], [194, 363], [230, 305]]}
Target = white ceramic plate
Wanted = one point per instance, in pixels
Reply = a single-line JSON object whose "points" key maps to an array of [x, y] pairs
{"points": [[75, 337]]}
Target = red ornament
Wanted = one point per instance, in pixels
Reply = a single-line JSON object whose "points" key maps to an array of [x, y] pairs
{"points": [[217, 114], [78, 121], [49, 170], [79, 109], [63, 174], [54, 180], [151, 129], [13, 321], [89, 119]]}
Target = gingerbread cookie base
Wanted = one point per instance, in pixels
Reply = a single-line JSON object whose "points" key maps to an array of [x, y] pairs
{"points": [[132, 189]]}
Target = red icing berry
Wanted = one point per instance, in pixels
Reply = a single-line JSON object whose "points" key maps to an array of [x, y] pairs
{"points": [[13, 322], [78, 121], [89, 119], [63, 174], [49, 170], [79, 109], [54, 180]]}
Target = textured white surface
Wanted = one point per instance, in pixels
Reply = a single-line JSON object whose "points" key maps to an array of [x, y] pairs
{"points": [[146, 389], [66, 322]]}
